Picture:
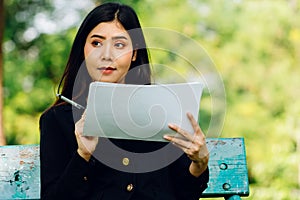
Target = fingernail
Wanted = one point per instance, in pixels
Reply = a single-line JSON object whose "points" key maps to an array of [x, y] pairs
{"points": [[171, 125], [166, 137]]}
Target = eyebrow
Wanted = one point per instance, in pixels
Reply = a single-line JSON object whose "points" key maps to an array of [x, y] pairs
{"points": [[113, 38]]}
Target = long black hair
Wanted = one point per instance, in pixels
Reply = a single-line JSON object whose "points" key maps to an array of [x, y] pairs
{"points": [[75, 80]]}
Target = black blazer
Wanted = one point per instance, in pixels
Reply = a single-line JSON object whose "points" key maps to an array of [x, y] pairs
{"points": [[65, 175]]}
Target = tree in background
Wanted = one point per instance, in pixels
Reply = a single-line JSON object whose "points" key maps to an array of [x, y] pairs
{"points": [[2, 136], [37, 40]]}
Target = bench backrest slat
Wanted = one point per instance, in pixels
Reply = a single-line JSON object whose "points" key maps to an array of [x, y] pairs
{"points": [[228, 168], [20, 170]]}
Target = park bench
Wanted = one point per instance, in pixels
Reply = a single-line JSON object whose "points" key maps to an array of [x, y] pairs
{"points": [[20, 170]]}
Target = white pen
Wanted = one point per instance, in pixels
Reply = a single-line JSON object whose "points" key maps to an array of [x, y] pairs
{"points": [[70, 101]]}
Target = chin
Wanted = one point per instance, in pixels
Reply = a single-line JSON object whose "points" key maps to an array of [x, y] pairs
{"points": [[107, 80]]}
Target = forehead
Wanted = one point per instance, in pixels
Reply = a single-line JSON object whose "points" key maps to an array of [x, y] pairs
{"points": [[109, 29]]}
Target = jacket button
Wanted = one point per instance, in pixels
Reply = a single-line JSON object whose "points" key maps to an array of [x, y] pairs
{"points": [[129, 187], [125, 161]]}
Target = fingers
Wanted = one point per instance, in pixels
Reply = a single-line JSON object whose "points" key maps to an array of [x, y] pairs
{"points": [[178, 141], [86, 144], [185, 145], [194, 123], [83, 115], [193, 144], [182, 132], [79, 124], [185, 134]]}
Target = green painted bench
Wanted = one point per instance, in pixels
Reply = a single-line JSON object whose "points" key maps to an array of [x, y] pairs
{"points": [[20, 170]]}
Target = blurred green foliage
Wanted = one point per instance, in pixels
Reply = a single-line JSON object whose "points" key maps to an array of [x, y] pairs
{"points": [[255, 46]]}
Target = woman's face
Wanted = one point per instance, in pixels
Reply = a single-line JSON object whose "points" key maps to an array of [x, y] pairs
{"points": [[108, 52]]}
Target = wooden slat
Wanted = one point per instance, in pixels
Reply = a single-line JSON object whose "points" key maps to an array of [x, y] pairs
{"points": [[20, 170], [228, 168]]}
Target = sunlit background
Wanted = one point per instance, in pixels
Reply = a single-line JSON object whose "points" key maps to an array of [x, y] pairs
{"points": [[255, 46]]}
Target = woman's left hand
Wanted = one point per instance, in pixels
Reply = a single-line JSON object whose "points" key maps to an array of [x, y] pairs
{"points": [[194, 145]]}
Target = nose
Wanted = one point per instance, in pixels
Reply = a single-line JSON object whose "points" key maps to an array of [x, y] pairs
{"points": [[106, 54]]}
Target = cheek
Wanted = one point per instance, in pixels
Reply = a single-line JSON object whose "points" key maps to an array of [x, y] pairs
{"points": [[87, 50], [125, 60]]}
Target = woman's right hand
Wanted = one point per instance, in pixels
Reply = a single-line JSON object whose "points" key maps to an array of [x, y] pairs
{"points": [[86, 144]]}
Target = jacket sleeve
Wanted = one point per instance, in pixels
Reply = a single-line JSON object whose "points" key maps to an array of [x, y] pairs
{"points": [[185, 185], [64, 174]]}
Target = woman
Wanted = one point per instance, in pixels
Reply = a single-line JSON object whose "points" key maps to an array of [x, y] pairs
{"points": [[105, 49]]}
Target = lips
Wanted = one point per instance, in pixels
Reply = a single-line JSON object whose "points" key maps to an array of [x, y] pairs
{"points": [[107, 70]]}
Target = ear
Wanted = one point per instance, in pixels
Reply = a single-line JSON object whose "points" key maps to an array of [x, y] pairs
{"points": [[134, 55]]}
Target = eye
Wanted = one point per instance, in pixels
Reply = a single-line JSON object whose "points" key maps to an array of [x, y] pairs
{"points": [[119, 45], [96, 44]]}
